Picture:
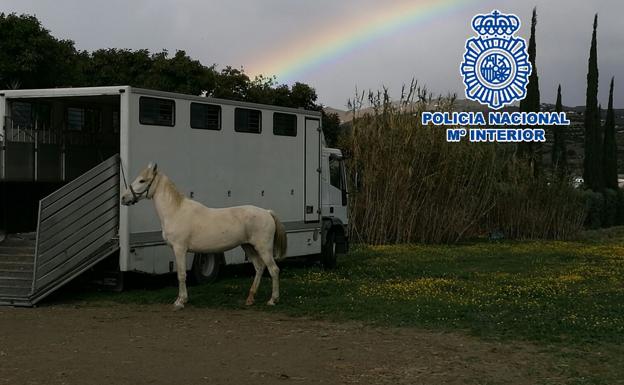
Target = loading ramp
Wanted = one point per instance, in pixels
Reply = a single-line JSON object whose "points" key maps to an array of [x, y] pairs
{"points": [[77, 228]]}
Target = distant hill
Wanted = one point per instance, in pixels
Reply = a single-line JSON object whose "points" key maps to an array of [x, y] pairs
{"points": [[345, 116]]}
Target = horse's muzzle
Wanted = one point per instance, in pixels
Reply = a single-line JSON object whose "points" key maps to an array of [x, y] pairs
{"points": [[127, 201]]}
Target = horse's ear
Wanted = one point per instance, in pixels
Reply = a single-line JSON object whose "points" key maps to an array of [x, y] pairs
{"points": [[150, 165], [155, 167]]}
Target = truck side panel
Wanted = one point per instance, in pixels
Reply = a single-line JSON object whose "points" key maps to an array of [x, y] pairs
{"points": [[222, 168]]}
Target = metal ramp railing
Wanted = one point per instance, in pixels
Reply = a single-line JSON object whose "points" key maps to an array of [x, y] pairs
{"points": [[77, 228]]}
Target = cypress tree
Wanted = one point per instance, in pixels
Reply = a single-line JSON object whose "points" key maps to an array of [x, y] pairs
{"points": [[610, 146], [559, 156], [592, 173], [531, 103]]}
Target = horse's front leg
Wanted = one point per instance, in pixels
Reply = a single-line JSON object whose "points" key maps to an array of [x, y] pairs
{"points": [[180, 256]]}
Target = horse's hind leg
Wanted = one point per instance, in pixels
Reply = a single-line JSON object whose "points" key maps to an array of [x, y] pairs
{"points": [[252, 255], [180, 256], [266, 255]]}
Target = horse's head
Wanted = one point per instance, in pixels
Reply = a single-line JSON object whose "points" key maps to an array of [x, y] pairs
{"points": [[141, 187]]}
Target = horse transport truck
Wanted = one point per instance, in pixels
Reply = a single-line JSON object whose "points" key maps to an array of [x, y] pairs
{"points": [[66, 153]]}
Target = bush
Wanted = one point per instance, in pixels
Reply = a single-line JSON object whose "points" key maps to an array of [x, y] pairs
{"points": [[604, 209], [620, 207], [536, 208], [610, 208], [594, 206]]}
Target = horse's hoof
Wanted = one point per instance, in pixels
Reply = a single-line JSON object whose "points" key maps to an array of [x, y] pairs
{"points": [[249, 302], [178, 306], [272, 302]]}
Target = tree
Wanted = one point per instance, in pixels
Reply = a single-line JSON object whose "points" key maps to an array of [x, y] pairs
{"points": [[261, 90], [231, 84], [31, 57], [105, 67], [592, 163], [179, 73], [139, 68], [559, 156], [302, 95], [281, 96], [234, 84], [531, 103], [331, 128], [610, 146]]}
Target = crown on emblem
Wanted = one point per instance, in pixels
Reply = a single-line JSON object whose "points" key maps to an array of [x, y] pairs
{"points": [[495, 23]]}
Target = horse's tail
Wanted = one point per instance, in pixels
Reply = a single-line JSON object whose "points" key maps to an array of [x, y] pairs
{"points": [[280, 240]]}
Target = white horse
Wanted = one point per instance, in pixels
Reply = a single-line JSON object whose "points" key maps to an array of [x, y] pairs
{"points": [[189, 226]]}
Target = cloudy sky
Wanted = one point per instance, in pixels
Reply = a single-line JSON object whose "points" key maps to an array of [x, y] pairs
{"points": [[336, 46]]}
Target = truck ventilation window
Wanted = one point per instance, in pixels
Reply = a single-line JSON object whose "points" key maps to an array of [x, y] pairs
{"points": [[75, 119], [205, 116], [284, 124], [22, 114], [246, 120], [30, 115], [156, 112], [84, 119]]}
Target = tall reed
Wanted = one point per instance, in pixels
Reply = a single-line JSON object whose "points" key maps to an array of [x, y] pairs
{"points": [[411, 185]]}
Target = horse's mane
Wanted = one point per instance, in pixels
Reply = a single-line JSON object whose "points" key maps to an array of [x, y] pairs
{"points": [[169, 188]]}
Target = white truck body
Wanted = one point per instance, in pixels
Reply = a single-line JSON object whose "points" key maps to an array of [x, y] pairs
{"points": [[285, 168]]}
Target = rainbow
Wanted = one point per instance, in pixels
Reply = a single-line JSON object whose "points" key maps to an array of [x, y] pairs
{"points": [[294, 60]]}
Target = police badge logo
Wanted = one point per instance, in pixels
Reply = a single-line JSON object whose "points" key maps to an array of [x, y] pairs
{"points": [[496, 65]]}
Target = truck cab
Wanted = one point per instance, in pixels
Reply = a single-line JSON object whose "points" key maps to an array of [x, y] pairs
{"points": [[334, 209]]}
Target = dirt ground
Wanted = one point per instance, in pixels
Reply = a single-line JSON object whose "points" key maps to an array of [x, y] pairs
{"points": [[122, 344]]}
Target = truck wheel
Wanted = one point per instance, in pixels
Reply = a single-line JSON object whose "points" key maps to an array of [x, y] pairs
{"points": [[205, 268], [328, 254], [120, 282]]}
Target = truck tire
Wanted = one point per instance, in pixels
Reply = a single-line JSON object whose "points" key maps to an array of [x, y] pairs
{"points": [[206, 267], [328, 253], [120, 282]]}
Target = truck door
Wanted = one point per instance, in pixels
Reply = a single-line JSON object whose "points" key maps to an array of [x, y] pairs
{"points": [[312, 163], [336, 203]]}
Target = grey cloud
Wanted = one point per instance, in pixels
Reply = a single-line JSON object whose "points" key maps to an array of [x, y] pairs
{"points": [[239, 32]]}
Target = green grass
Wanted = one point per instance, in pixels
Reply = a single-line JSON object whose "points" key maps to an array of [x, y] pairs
{"points": [[565, 296], [542, 291]]}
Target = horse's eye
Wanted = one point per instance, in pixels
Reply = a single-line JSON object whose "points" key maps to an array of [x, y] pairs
{"points": [[142, 181]]}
